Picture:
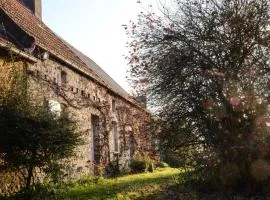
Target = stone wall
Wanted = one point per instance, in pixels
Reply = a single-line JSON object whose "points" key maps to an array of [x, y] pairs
{"points": [[10, 182], [84, 99]]}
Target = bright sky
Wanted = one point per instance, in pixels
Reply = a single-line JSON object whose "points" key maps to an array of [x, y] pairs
{"points": [[94, 27]]}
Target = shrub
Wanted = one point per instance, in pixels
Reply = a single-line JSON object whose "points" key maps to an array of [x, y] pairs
{"points": [[40, 192], [201, 179], [33, 136], [162, 164], [112, 170], [142, 164], [138, 165]]}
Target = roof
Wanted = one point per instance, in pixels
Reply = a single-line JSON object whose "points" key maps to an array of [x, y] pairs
{"points": [[100, 72], [45, 38], [49, 41]]}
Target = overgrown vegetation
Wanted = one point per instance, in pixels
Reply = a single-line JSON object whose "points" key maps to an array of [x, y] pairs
{"points": [[205, 68], [142, 163], [33, 139], [139, 186]]}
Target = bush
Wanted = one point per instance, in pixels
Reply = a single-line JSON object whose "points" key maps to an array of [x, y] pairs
{"points": [[112, 170], [201, 179], [39, 192], [33, 136], [142, 164], [162, 164], [138, 165]]}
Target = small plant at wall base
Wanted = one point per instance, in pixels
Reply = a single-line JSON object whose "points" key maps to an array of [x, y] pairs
{"points": [[162, 164], [32, 137], [141, 163]]}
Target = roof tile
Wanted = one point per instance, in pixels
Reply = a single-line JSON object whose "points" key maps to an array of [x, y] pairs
{"points": [[49, 41], [32, 25]]}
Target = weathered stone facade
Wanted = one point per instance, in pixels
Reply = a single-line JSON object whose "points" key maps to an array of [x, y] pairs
{"points": [[111, 122], [88, 101]]}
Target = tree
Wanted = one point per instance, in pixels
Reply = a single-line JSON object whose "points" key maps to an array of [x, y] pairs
{"points": [[31, 135], [205, 68]]}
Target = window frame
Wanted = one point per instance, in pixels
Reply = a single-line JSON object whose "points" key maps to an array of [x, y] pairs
{"points": [[113, 105], [64, 80]]}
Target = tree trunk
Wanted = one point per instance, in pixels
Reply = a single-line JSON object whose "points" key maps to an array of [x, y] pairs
{"points": [[30, 169], [29, 176]]}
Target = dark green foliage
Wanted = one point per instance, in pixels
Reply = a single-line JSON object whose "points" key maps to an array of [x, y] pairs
{"points": [[41, 133], [36, 138], [112, 170], [40, 192], [162, 164], [57, 172], [138, 165], [32, 137], [141, 164], [37, 192]]}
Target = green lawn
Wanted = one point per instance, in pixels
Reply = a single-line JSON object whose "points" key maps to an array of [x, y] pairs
{"points": [[139, 186]]}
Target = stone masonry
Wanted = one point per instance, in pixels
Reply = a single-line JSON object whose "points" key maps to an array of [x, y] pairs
{"points": [[112, 122]]}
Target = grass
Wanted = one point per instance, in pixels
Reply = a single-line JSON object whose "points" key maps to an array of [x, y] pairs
{"points": [[139, 186]]}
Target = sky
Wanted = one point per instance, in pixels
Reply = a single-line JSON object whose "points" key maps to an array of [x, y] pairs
{"points": [[95, 28]]}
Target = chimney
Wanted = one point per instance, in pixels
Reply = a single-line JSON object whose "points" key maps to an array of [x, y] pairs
{"points": [[35, 6]]}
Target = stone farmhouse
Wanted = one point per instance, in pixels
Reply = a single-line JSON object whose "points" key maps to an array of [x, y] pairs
{"points": [[112, 122]]}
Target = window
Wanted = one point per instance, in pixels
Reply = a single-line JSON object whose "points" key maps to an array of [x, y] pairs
{"points": [[63, 78], [132, 145], [113, 105], [25, 2], [96, 139], [82, 93], [115, 136]]}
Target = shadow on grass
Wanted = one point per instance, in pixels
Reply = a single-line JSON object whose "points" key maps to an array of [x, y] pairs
{"points": [[113, 189], [140, 186]]}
